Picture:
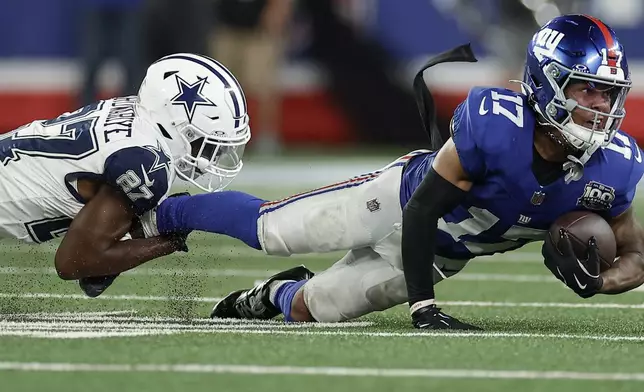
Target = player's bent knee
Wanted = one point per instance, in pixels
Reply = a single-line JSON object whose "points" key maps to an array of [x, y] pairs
{"points": [[299, 311], [387, 294], [322, 305]]}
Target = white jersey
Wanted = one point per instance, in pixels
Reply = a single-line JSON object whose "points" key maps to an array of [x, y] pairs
{"points": [[41, 162]]}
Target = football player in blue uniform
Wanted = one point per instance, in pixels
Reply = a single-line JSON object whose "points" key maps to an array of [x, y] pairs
{"points": [[87, 175], [514, 163]]}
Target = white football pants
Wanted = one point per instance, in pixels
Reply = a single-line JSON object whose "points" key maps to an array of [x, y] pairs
{"points": [[362, 215]]}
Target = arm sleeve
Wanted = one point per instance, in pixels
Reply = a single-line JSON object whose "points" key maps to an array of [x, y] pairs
{"points": [[434, 197], [142, 173]]}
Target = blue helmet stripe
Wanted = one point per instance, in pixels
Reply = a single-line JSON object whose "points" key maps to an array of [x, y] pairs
{"points": [[218, 71]]}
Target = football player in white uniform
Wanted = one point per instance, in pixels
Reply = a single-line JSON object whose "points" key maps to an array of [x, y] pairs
{"points": [[89, 174]]}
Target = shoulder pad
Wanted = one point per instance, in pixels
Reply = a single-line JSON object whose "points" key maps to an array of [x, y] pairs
{"points": [[143, 173], [625, 165], [485, 124]]}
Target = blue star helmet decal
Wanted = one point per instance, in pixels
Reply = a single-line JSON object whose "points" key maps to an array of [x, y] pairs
{"points": [[190, 96]]}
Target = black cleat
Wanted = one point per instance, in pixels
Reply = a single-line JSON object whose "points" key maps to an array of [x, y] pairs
{"points": [[94, 286], [255, 303]]}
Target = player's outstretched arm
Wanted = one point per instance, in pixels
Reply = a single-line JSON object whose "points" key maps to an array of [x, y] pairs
{"points": [[443, 188], [628, 271], [92, 246]]}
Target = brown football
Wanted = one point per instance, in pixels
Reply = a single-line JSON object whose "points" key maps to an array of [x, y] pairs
{"points": [[581, 225]]}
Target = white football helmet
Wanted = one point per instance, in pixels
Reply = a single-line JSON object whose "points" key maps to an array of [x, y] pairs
{"points": [[200, 108]]}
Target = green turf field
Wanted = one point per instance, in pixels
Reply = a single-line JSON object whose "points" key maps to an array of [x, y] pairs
{"points": [[150, 332]]}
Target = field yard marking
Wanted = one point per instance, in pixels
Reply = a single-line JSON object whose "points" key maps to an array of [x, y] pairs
{"points": [[254, 273], [516, 278], [223, 252], [213, 272], [237, 251], [41, 320], [571, 305], [146, 298], [83, 334], [429, 334], [108, 297], [258, 273], [68, 327], [21, 270], [319, 371]]}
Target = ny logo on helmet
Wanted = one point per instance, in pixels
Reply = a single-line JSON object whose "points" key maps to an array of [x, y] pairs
{"points": [[546, 43]]}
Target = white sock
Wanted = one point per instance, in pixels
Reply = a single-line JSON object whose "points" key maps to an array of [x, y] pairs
{"points": [[273, 287]]}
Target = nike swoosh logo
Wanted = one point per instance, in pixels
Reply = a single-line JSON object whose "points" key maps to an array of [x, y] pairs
{"points": [[146, 179], [581, 286], [482, 110], [562, 277], [583, 268]]}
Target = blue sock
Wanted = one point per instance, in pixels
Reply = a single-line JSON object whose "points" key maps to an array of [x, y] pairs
{"points": [[284, 297], [231, 213]]}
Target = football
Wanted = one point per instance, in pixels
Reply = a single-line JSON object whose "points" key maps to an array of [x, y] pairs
{"points": [[581, 225]]}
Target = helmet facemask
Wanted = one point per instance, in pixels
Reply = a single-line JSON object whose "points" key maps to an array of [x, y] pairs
{"points": [[600, 128], [213, 159]]}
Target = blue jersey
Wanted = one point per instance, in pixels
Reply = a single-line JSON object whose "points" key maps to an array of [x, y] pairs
{"points": [[493, 131]]}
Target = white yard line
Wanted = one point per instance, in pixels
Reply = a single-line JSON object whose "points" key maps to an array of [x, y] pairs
{"points": [[58, 326], [250, 273], [570, 305], [450, 335], [259, 274], [213, 272], [319, 371], [57, 332], [223, 253], [254, 273], [146, 298], [107, 297], [126, 323]]}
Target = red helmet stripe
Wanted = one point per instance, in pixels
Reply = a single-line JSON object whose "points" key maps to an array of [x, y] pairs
{"points": [[608, 37]]}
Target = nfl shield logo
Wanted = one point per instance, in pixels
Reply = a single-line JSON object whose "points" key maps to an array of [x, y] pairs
{"points": [[537, 198]]}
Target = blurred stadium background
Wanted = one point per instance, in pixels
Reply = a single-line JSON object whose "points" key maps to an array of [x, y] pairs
{"points": [[342, 85]]}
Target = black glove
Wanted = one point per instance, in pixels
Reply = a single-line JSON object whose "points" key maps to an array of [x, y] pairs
{"points": [[179, 240], [431, 317], [582, 276], [95, 286]]}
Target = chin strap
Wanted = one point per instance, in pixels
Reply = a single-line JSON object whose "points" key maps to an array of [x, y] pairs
{"points": [[575, 166]]}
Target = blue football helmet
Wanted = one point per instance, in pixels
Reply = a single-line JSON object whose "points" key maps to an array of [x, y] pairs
{"points": [[571, 49]]}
